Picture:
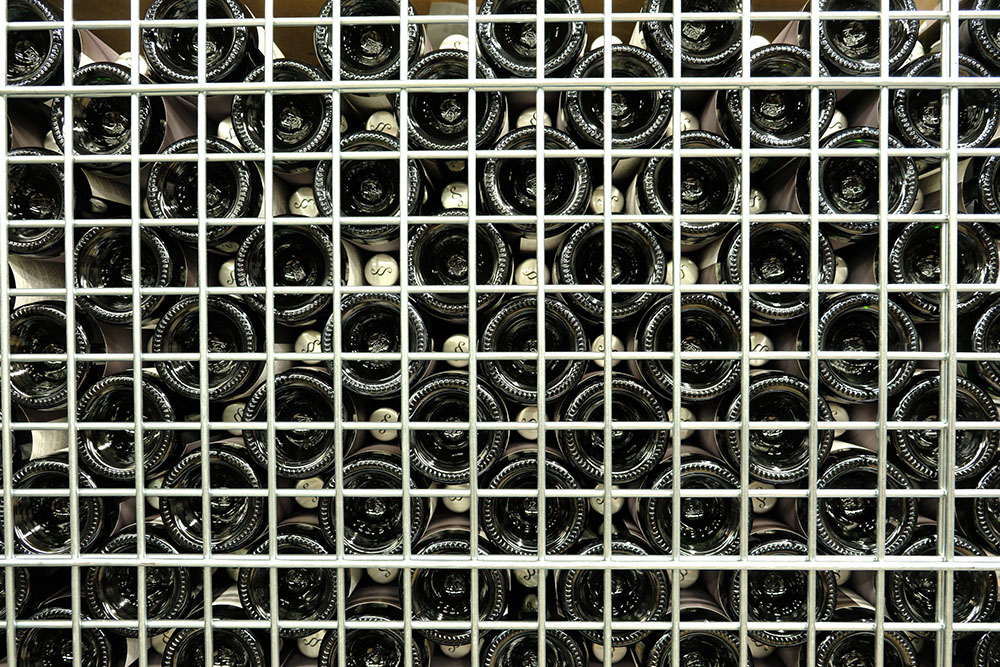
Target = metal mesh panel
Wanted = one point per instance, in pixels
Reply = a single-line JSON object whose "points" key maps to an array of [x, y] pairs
{"points": [[945, 360]]}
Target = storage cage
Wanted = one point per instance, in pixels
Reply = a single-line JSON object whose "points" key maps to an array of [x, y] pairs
{"points": [[720, 412]]}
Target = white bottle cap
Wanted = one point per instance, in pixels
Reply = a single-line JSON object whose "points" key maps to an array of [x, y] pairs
{"points": [[597, 200], [234, 413], [458, 504], [758, 650], [457, 344], [758, 202], [837, 123], [760, 342], [49, 143], [918, 202], [840, 272], [758, 41], [686, 416], [597, 503], [455, 195], [381, 270], [309, 502], [303, 202], [526, 272], [527, 577], [389, 416], [528, 117], [598, 347], [762, 505], [159, 642], [382, 121], [689, 272], [840, 415], [308, 342], [684, 578], [226, 132], [455, 166], [688, 122], [917, 52], [455, 652], [460, 42], [618, 653], [935, 47], [598, 42], [343, 123], [155, 483], [383, 575], [227, 273], [310, 644], [126, 60], [842, 576], [528, 415]]}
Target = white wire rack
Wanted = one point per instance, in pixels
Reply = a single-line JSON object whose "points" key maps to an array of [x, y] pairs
{"points": [[604, 18]]}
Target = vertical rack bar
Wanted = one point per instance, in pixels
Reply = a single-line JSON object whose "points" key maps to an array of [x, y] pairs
{"points": [[675, 338]]}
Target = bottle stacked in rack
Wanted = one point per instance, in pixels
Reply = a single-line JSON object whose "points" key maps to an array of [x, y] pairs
{"points": [[348, 307]]}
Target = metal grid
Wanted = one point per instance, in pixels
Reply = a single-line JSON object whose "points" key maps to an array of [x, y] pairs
{"points": [[944, 563]]}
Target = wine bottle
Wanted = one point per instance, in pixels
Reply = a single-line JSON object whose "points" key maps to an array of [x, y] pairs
{"points": [[780, 254], [438, 254], [373, 524], [637, 596], [709, 525], [512, 328], [776, 455], [981, 186], [508, 186], [708, 48], [300, 123], [173, 53], [236, 520], [834, 648], [439, 120], [233, 189], [709, 186], [110, 454], [369, 188], [443, 456], [510, 47], [445, 595], [112, 591], [708, 324], [912, 594], [849, 185], [302, 256], [986, 650], [511, 523], [851, 47], [103, 258], [981, 36], [35, 57], [368, 52], [384, 642], [779, 118], [634, 451], [304, 594], [38, 646], [638, 117], [915, 257], [520, 647], [35, 192], [370, 323], [103, 125], [850, 322], [915, 113], [232, 328], [230, 645], [975, 450], [300, 395], [847, 525], [41, 328], [637, 258], [777, 596], [719, 648], [42, 523]]}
